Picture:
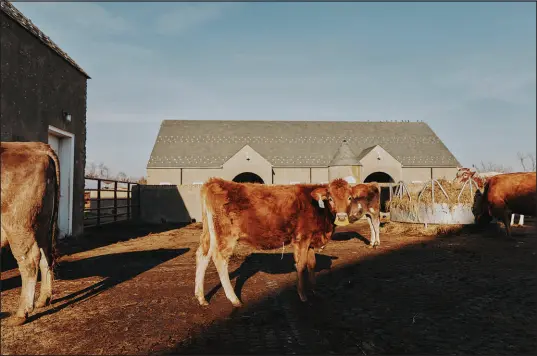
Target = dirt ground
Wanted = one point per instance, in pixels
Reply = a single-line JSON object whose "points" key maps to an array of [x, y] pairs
{"points": [[127, 289]]}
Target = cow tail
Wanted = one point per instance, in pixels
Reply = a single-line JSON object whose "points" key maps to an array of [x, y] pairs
{"points": [[484, 201], [53, 254], [205, 238]]}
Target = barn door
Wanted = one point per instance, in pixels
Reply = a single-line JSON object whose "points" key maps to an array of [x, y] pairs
{"points": [[62, 147]]}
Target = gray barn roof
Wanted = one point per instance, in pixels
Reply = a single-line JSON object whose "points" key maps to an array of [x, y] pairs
{"points": [[344, 156], [26, 23], [204, 144]]}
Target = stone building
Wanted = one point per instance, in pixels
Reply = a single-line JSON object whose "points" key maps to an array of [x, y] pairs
{"points": [[288, 152], [43, 98]]}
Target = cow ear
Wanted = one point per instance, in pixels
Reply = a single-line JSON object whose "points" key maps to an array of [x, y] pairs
{"points": [[355, 191], [320, 194]]}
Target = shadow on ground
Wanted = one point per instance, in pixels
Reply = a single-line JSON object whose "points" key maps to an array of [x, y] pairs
{"points": [[269, 263], [349, 235], [95, 237], [115, 268], [462, 295]]}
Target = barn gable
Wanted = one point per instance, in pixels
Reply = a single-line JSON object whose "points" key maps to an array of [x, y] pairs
{"points": [[249, 161], [210, 143]]}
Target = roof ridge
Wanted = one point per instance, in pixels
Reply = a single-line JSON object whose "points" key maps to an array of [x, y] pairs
{"points": [[15, 14], [168, 121]]}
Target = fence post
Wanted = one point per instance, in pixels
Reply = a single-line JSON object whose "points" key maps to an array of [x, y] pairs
{"points": [[115, 201], [139, 202], [98, 202], [128, 201]]}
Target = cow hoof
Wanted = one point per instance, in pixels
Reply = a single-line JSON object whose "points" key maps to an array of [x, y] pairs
{"points": [[203, 302], [370, 246], [303, 298], [43, 302], [15, 321], [237, 304]]}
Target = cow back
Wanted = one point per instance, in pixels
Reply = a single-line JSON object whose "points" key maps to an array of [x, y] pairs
{"points": [[264, 216], [514, 191]]}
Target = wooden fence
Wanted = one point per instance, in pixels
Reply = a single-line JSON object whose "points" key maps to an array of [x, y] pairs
{"points": [[109, 202]]}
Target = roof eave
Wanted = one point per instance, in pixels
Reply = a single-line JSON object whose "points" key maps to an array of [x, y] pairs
{"points": [[4, 8]]}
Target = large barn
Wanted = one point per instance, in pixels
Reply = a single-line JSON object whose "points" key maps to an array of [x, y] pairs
{"points": [[288, 152]]}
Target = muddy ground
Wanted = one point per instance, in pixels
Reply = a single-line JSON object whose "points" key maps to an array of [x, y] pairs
{"points": [[470, 293]]}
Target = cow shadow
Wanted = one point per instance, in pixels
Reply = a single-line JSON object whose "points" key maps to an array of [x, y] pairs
{"points": [[272, 263], [115, 268], [349, 235], [468, 295]]}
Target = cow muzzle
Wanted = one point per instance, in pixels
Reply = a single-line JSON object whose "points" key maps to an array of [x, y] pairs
{"points": [[342, 219]]}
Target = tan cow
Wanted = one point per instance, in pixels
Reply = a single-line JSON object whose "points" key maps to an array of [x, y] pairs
{"points": [[29, 198], [480, 178], [267, 217], [505, 194], [366, 201]]}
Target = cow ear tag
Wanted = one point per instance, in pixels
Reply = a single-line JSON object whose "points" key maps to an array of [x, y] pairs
{"points": [[321, 203]]}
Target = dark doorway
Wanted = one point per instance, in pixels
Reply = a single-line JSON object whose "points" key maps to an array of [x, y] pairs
{"points": [[381, 177], [248, 177]]}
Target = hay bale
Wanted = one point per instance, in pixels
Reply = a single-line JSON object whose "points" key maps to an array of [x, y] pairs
{"points": [[452, 190]]}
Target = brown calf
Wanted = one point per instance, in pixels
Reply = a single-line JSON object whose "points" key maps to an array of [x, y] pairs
{"points": [[29, 199], [505, 194], [267, 217], [366, 200]]}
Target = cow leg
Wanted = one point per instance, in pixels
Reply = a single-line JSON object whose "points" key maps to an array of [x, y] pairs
{"points": [[301, 258], [202, 261], [28, 265], [512, 219], [373, 235], [521, 220], [221, 261], [311, 268], [45, 293], [376, 225], [505, 219]]}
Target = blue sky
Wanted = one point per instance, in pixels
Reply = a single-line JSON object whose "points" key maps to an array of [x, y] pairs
{"points": [[467, 69]]}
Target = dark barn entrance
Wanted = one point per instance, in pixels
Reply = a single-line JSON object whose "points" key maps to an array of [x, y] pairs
{"points": [[248, 177], [381, 177]]}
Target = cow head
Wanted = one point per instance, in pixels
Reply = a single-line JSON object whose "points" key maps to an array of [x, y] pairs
{"points": [[362, 195], [338, 194], [463, 174], [480, 210]]}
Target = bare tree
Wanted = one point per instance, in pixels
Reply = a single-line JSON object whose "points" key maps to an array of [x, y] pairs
{"points": [[492, 167], [521, 158], [122, 176], [103, 171], [531, 158], [527, 161], [91, 170]]}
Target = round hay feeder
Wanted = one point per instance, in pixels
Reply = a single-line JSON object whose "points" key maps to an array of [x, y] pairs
{"points": [[453, 208]]}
